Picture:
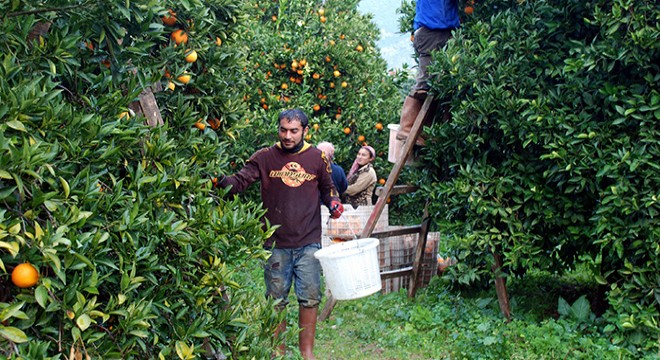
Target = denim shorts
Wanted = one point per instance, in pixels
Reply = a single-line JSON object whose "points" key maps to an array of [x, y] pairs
{"points": [[425, 41], [284, 266]]}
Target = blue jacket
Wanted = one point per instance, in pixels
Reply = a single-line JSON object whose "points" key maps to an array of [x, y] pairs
{"points": [[339, 178], [437, 14]]}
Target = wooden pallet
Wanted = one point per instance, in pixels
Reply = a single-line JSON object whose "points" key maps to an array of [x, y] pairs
{"points": [[425, 115]]}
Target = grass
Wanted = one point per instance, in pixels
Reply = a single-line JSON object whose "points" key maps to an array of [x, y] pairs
{"points": [[444, 323]]}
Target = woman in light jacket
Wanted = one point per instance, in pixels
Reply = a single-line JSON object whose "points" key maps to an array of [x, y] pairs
{"points": [[361, 178]]}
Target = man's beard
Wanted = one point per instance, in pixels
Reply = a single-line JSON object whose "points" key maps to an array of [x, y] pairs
{"points": [[295, 148]]}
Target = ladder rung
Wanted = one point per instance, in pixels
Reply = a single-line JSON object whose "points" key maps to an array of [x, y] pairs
{"points": [[396, 272]]}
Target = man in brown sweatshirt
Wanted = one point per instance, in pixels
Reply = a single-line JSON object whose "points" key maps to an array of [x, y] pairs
{"points": [[293, 176]]}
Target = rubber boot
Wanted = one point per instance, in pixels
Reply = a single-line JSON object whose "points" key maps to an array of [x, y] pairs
{"points": [[307, 324], [409, 111]]}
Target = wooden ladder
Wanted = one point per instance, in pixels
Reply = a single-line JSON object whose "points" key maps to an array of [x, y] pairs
{"points": [[425, 114]]}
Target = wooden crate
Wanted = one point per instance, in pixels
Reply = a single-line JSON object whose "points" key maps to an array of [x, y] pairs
{"points": [[398, 252]]}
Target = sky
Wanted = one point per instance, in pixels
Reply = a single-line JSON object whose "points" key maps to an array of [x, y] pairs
{"points": [[395, 48]]}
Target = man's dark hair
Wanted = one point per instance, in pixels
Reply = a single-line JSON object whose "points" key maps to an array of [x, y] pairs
{"points": [[294, 115]]}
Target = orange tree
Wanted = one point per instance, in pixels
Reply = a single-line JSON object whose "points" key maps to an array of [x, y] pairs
{"points": [[320, 57], [136, 256], [550, 157]]}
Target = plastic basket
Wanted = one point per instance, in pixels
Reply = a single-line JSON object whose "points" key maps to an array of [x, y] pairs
{"points": [[351, 268]]}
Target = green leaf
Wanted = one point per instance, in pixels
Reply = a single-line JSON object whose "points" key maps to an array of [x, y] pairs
{"points": [[16, 125], [139, 333], [83, 321], [13, 334], [581, 308], [41, 295], [13, 247], [11, 310], [65, 186], [600, 280], [183, 350], [563, 308]]}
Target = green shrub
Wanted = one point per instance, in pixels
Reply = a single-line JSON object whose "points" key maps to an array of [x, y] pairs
{"points": [[137, 257], [550, 155]]}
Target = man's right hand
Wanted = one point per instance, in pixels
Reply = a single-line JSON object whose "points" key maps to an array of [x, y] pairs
{"points": [[336, 209]]}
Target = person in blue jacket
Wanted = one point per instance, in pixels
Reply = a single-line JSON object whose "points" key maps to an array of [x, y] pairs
{"points": [[338, 174], [433, 25]]}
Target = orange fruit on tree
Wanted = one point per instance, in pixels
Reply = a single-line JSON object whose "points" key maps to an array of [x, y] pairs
{"points": [[214, 123], [200, 125], [179, 36], [170, 85], [381, 181], [361, 138], [25, 275], [316, 107], [274, 18], [316, 76], [302, 62], [336, 73], [379, 126], [191, 56], [347, 130], [321, 11], [332, 85], [284, 86], [327, 59], [218, 41], [185, 78], [169, 19], [342, 36], [469, 10], [359, 48], [344, 84], [323, 19], [316, 127]]}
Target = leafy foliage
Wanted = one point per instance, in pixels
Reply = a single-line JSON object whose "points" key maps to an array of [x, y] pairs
{"points": [[137, 257], [441, 323], [550, 155]]}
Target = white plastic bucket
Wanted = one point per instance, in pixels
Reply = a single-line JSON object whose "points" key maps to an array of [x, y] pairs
{"points": [[351, 268]]}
